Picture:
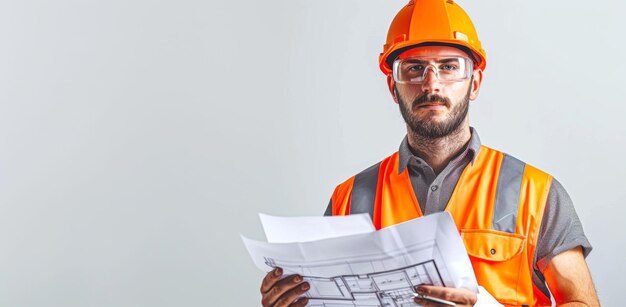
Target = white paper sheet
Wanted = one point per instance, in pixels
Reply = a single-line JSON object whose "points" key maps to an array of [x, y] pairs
{"points": [[312, 228], [378, 268]]}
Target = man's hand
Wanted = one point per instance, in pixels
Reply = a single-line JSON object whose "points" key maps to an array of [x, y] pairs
{"points": [[277, 292], [462, 297]]}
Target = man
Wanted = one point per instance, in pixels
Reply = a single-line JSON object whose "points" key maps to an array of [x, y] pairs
{"points": [[517, 222]]}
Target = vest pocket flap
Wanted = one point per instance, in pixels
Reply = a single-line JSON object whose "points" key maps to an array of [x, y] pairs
{"points": [[492, 245]]}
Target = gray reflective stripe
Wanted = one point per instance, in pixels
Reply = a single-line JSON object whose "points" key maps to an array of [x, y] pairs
{"points": [[364, 191], [329, 209], [507, 194]]}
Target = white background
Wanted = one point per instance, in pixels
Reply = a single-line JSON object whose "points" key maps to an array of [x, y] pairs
{"points": [[139, 138]]}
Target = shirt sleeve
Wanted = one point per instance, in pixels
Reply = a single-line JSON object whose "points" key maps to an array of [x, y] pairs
{"points": [[561, 229]]}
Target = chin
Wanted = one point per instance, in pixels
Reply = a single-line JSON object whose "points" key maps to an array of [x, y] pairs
{"points": [[434, 118]]}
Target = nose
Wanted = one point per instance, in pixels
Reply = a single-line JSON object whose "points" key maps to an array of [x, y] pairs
{"points": [[430, 84]]}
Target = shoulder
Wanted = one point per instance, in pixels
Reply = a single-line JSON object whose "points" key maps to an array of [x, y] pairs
{"points": [[364, 182], [509, 161], [368, 174]]}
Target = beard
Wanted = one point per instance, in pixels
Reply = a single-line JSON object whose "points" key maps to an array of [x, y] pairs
{"points": [[431, 129]]}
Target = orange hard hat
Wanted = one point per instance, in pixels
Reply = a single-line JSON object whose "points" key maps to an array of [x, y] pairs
{"points": [[431, 22]]}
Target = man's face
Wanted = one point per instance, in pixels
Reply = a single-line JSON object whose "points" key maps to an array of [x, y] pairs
{"points": [[434, 109]]}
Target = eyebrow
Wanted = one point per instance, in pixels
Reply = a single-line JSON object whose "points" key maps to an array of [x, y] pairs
{"points": [[448, 60], [444, 60], [415, 61]]}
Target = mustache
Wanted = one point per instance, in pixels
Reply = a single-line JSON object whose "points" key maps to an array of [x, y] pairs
{"points": [[429, 99]]}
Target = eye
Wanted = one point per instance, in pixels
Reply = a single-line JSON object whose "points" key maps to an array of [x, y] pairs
{"points": [[449, 67], [417, 67]]}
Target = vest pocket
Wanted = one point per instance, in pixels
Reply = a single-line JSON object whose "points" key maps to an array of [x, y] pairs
{"points": [[492, 245], [496, 257]]}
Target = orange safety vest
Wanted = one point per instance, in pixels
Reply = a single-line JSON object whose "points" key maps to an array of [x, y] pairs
{"points": [[497, 206]]}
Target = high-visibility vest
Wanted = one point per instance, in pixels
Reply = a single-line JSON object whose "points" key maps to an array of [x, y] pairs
{"points": [[497, 206]]}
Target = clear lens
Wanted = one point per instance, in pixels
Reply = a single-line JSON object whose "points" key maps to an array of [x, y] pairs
{"points": [[414, 70]]}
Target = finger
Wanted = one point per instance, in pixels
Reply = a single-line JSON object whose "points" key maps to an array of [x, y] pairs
{"points": [[458, 295], [270, 279], [291, 295], [281, 287], [301, 302]]}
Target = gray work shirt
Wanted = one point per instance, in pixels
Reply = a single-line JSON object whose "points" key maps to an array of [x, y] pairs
{"points": [[560, 231]]}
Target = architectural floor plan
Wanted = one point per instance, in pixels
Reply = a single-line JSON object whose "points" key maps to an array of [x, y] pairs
{"points": [[375, 268], [388, 288]]}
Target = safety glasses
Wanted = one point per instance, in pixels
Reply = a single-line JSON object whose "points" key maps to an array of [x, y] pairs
{"points": [[413, 70]]}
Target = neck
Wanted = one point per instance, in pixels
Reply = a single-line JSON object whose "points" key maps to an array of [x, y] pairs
{"points": [[440, 151]]}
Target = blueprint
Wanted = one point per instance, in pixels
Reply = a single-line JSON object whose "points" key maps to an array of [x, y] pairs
{"points": [[371, 268]]}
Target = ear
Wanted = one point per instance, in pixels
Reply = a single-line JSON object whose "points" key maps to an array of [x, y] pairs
{"points": [[477, 79], [390, 85]]}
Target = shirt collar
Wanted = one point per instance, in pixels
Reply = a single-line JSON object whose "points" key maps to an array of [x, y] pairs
{"points": [[405, 153]]}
